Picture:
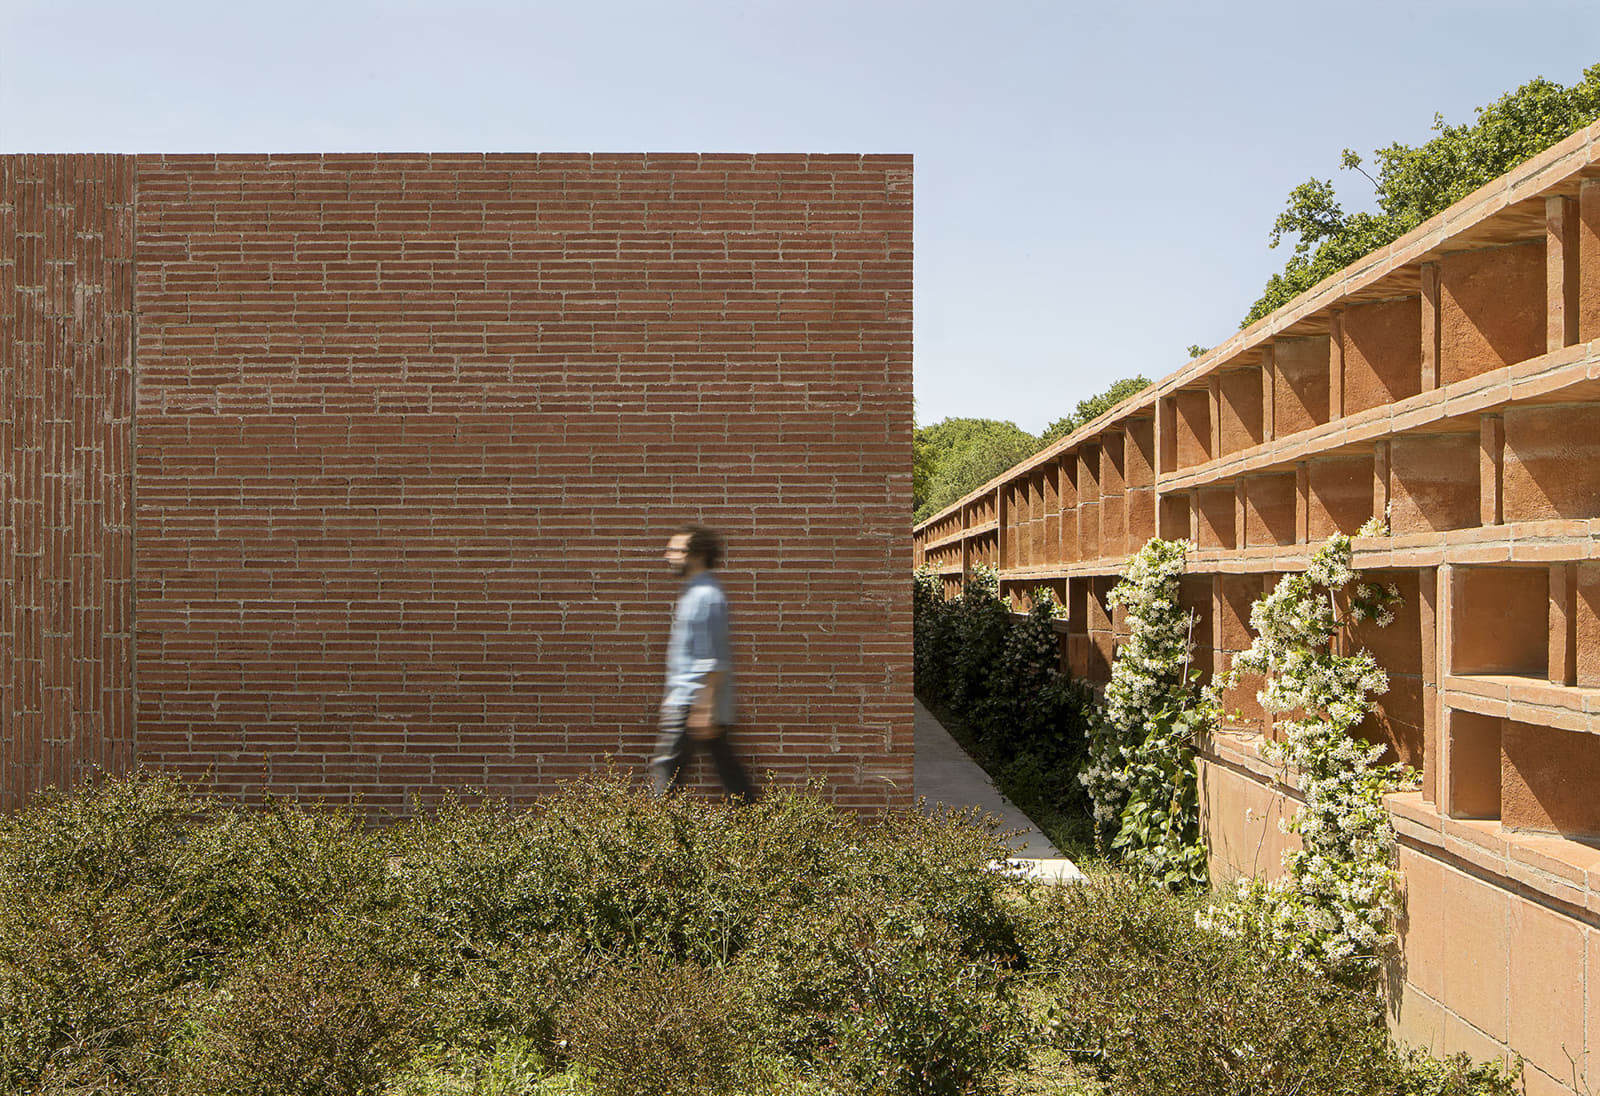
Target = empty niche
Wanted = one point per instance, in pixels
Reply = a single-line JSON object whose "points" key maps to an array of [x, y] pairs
{"points": [[1403, 649], [1051, 474], [1069, 507], [1113, 512], [1140, 514], [1300, 384], [1089, 502], [985, 550], [1433, 483], [1551, 466], [1240, 410], [1475, 764], [1340, 495], [1034, 487], [1102, 639], [1139, 477], [1235, 595], [1547, 780], [1586, 624], [1269, 510], [1192, 426], [1491, 309], [1173, 517], [1382, 345], [1216, 507], [1194, 598], [1078, 596], [1139, 453], [1501, 621]]}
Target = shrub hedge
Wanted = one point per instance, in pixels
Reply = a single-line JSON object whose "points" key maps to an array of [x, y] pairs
{"points": [[994, 678], [153, 941]]}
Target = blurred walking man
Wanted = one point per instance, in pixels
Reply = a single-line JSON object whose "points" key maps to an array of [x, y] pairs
{"points": [[698, 708]]}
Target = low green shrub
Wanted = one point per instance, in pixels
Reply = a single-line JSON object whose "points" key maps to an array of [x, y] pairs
{"points": [[148, 937], [883, 997], [661, 1029], [95, 935], [157, 944], [301, 1017], [508, 1067], [1155, 1005]]}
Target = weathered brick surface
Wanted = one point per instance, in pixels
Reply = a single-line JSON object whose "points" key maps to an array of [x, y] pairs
{"points": [[66, 405], [411, 433]]}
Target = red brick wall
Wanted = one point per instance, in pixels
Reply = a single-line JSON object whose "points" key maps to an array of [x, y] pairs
{"points": [[66, 403], [412, 430]]}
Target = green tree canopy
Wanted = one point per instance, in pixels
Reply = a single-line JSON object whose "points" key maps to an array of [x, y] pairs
{"points": [[1415, 183], [955, 457], [960, 455]]}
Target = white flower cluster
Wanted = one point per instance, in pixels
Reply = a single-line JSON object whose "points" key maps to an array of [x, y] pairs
{"points": [[1332, 907], [1141, 773]]}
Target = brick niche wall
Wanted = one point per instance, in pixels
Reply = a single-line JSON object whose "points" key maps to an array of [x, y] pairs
{"points": [[66, 404], [411, 432]]}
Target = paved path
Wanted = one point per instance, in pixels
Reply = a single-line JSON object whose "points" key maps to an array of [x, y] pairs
{"points": [[946, 775]]}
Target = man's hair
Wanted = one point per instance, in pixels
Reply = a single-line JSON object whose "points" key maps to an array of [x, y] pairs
{"points": [[704, 542]]}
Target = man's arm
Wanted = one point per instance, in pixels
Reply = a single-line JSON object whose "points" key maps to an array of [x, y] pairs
{"points": [[710, 647], [703, 712]]}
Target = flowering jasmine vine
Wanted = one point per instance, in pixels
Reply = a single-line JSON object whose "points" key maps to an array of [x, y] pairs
{"points": [[1141, 770], [1332, 907]]}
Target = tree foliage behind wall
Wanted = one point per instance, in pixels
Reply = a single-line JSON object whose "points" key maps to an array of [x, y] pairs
{"points": [[958, 456], [1413, 184], [955, 457]]}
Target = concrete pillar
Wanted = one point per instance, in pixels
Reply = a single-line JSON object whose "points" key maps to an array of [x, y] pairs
{"points": [[1428, 636], [1269, 388], [1001, 536], [1302, 502], [1382, 461], [1430, 326], [966, 546], [1588, 280], [1336, 365], [1166, 434], [1561, 271], [1214, 413], [1563, 624], [1491, 470]]}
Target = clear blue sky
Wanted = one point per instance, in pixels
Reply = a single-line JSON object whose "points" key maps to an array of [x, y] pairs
{"points": [[1095, 181]]}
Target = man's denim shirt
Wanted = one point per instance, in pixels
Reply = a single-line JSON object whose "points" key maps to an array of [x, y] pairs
{"points": [[699, 645]]}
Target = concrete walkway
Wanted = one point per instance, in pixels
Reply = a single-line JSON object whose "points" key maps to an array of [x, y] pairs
{"points": [[945, 775]]}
